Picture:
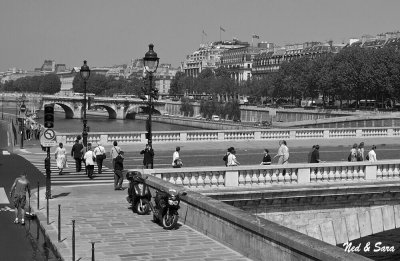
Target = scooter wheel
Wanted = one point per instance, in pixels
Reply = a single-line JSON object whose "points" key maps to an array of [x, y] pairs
{"points": [[169, 221], [142, 206]]}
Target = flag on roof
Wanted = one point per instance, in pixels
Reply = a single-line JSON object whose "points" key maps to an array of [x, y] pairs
{"points": [[222, 29], [256, 36]]}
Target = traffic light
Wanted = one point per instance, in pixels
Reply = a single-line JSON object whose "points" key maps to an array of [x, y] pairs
{"points": [[49, 116]]}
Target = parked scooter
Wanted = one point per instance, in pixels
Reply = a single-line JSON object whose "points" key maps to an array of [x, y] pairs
{"points": [[138, 193], [165, 211]]}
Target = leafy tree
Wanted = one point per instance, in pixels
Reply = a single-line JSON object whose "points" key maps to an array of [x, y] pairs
{"points": [[186, 107], [50, 84], [176, 87]]}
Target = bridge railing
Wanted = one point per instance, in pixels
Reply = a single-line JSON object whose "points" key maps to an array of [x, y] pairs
{"points": [[232, 135], [278, 175]]}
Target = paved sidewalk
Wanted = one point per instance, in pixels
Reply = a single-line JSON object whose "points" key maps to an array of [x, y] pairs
{"points": [[103, 215]]}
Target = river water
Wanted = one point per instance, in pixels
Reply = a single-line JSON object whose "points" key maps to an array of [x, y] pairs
{"points": [[101, 123]]}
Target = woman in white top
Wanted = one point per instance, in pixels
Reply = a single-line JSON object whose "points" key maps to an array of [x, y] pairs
{"points": [[89, 160], [61, 158], [99, 153], [283, 153], [372, 154], [176, 161]]}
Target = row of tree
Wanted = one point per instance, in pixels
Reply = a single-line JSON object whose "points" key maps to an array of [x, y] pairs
{"points": [[97, 84], [353, 74], [46, 84]]}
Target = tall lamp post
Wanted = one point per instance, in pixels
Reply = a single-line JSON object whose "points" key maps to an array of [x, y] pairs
{"points": [[22, 110], [85, 74], [2, 106], [150, 63]]}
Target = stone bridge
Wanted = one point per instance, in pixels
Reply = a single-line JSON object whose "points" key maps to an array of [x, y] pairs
{"points": [[117, 108], [333, 202]]}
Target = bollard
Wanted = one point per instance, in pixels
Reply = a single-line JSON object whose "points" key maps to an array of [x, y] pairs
{"points": [[47, 210], [38, 196], [59, 223], [73, 240], [92, 250]]}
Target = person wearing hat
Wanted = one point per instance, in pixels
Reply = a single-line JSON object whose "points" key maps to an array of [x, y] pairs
{"points": [[119, 167], [100, 154], [18, 195]]}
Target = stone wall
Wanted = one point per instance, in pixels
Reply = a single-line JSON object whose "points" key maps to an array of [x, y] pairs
{"points": [[256, 238]]}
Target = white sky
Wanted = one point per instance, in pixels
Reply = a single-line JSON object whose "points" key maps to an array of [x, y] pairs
{"points": [[108, 32]]}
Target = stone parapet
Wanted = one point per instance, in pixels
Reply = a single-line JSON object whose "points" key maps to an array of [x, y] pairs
{"points": [[256, 238]]}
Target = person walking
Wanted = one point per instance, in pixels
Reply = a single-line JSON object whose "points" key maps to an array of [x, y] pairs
{"points": [[176, 161], [114, 152], [100, 154], [77, 153], [283, 153], [371, 156], [360, 152], [18, 195], [89, 161], [61, 158], [225, 158], [309, 154], [266, 159], [353, 153], [148, 156], [232, 161], [315, 155], [119, 167]]}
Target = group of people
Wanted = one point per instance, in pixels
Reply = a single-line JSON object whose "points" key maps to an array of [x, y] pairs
{"points": [[357, 153]]}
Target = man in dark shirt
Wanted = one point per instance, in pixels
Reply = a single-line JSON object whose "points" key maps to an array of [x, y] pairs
{"points": [[119, 166], [315, 155], [76, 153], [148, 156]]}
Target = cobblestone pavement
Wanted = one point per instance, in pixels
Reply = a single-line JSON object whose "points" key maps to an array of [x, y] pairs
{"points": [[102, 215]]}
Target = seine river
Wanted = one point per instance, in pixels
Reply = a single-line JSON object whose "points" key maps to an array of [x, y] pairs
{"points": [[101, 123]]}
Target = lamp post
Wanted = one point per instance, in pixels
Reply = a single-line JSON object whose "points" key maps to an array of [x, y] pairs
{"points": [[22, 110], [85, 74], [2, 106], [150, 63]]}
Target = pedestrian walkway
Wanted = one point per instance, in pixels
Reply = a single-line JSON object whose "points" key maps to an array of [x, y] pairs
{"points": [[102, 215], [69, 176]]}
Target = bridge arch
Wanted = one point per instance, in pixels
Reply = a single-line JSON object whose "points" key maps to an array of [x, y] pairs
{"points": [[69, 112]]}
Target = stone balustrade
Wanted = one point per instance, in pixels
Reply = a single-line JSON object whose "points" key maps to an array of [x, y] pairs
{"points": [[290, 174], [233, 135]]}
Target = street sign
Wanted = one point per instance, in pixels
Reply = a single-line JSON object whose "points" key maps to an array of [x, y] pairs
{"points": [[48, 138], [22, 108]]}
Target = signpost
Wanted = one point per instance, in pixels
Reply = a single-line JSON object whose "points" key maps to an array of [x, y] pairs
{"points": [[48, 139]]}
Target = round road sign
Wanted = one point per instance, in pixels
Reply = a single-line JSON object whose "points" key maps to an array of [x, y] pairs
{"points": [[22, 108], [49, 134]]}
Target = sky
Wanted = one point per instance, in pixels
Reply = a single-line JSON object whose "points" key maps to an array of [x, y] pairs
{"points": [[107, 33]]}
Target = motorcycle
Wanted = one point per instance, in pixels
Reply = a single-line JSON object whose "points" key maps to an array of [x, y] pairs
{"points": [[138, 193], [165, 211]]}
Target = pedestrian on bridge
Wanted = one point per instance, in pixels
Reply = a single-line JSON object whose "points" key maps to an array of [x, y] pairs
{"points": [[89, 160], [283, 153], [114, 152], [267, 158], [176, 160], [232, 161], [119, 167], [18, 195], [100, 154], [61, 158], [77, 154], [148, 156]]}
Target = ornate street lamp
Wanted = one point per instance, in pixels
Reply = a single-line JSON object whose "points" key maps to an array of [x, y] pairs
{"points": [[85, 74], [150, 63]]}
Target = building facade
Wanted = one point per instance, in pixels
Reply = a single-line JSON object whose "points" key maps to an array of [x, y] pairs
{"points": [[239, 62], [208, 56]]}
